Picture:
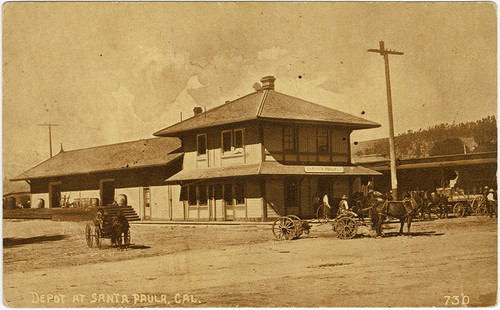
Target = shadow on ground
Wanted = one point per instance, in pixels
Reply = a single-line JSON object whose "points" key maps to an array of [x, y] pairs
{"points": [[12, 242], [396, 234], [130, 247], [413, 234]]}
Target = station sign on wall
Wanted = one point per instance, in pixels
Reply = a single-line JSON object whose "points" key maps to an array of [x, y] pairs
{"points": [[324, 169]]}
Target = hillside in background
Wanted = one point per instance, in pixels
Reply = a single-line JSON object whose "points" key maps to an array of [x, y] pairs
{"points": [[442, 139]]}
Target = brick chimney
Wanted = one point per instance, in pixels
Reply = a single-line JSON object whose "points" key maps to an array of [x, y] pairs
{"points": [[197, 110], [268, 82]]}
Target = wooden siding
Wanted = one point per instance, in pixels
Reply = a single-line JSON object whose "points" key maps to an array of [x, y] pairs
{"points": [[274, 194], [254, 199], [160, 207], [307, 145], [251, 152]]}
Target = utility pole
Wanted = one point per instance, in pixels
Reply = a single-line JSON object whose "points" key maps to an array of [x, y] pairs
{"points": [[392, 148], [50, 134]]}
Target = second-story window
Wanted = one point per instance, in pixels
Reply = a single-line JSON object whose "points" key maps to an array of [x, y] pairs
{"points": [[290, 139], [323, 141], [238, 140], [201, 144], [226, 141], [232, 141]]}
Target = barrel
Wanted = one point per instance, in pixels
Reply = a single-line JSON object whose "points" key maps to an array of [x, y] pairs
{"points": [[121, 200], [94, 202], [40, 203]]}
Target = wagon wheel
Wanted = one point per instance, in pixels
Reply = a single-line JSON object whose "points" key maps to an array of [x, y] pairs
{"points": [[479, 206], [346, 227], [298, 223], [442, 211], [459, 209], [322, 214], [89, 237], [98, 237], [284, 228]]}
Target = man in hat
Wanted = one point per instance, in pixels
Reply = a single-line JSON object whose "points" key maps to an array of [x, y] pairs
{"points": [[344, 207], [491, 202], [99, 218]]}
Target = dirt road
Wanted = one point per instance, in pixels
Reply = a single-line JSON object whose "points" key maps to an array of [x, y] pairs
{"points": [[442, 263]]}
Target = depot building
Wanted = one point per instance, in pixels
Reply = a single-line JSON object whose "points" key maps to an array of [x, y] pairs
{"points": [[260, 156]]}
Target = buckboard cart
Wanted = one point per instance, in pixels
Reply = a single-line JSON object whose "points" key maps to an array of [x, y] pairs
{"points": [[292, 227], [344, 225]]}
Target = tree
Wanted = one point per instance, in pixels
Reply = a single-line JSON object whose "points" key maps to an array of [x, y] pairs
{"points": [[449, 146]]}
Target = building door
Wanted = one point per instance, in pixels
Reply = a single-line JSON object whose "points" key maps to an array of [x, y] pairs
{"points": [[147, 203], [228, 202], [55, 195], [107, 193]]}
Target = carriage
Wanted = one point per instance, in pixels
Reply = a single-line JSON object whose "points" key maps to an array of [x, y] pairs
{"points": [[95, 234], [346, 224]]}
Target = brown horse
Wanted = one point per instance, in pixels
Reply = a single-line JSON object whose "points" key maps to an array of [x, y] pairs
{"points": [[403, 210], [120, 229]]}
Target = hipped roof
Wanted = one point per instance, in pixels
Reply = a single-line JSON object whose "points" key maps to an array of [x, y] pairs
{"points": [[270, 105], [265, 168], [127, 155]]}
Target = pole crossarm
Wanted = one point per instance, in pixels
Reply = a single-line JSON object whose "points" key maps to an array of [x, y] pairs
{"points": [[382, 51], [386, 52]]}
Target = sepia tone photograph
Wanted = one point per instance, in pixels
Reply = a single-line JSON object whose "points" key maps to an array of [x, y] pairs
{"points": [[249, 154]]}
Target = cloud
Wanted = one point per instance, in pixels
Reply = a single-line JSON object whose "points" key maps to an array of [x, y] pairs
{"points": [[271, 53]]}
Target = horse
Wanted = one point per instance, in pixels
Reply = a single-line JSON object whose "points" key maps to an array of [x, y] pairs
{"points": [[119, 230], [361, 205], [403, 210], [423, 203]]}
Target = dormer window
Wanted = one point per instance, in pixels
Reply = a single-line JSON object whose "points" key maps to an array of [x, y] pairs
{"points": [[201, 144], [232, 141]]}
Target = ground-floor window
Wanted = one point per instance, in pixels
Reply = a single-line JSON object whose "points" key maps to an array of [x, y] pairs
{"points": [[239, 193], [197, 195], [192, 195], [234, 193], [202, 195], [228, 193]]}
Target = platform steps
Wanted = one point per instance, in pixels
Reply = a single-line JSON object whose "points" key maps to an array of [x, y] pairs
{"points": [[128, 211]]}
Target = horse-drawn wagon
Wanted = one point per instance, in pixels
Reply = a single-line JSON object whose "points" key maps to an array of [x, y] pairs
{"points": [[461, 203], [346, 224], [113, 227]]}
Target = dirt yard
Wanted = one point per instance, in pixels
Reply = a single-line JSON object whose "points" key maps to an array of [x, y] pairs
{"points": [[450, 262]]}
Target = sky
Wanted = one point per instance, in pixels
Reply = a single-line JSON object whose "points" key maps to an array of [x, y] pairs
{"points": [[115, 72]]}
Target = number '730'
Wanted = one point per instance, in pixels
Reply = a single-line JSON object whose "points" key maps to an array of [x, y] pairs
{"points": [[457, 300]]}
